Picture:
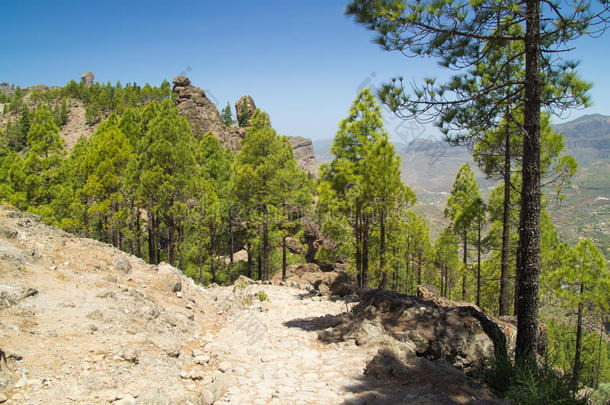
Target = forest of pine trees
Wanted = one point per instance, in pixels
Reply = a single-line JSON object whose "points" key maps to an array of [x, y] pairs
{"points": [[145, 184]]}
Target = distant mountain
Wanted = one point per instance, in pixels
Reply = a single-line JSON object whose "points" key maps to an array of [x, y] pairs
{"points": [[587, 138], [428, 166]]}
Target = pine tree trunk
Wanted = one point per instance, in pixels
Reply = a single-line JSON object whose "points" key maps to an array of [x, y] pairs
{"points": [[419, 268], [170, 234], [284, 258], [503, 305], [249, 270], [479, 262], [259, 263], [382, 269], [577, 350], [358, 237], [137, 234], [529, 224], [465, 261], [365, 252], [157, 241], [201, 262], [407, 269], [230, 242], [265, 243], [395, 273], [151, 238]]}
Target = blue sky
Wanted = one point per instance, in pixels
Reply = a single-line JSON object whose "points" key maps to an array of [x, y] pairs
{"points": [[302, 61]]}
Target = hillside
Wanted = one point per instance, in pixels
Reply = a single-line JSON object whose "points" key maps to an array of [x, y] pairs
{"points": [[191, 101], [82, 322]]}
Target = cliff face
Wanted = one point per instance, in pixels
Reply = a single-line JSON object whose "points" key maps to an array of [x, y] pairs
{"points": [[303, 153]]}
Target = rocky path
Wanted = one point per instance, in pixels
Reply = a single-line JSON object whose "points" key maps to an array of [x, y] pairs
{"points": [[274, 356]]}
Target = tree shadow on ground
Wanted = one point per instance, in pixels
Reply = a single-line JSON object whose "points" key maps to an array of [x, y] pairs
{"points": [[388, 379], [316, 323]]}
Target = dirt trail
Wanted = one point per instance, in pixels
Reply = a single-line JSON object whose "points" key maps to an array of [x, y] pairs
{"points": [[274, 355]]}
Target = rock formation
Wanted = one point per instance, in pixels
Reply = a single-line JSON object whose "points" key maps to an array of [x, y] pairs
{"points": [[5, 88], [87, 79], [244, 105], [303, 153], [193, 104], [460, 335]]}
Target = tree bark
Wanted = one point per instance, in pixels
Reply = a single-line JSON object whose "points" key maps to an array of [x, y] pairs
{"points": [[151, 238], [528, 269], [382, 269], [479, 261], [577, 350], [358, 237], [170, 234], [230, 242], [503, 304], [249, 270], [419, 268], [265, 243], [201, 262], [284, 258], [365, 252], [465, 261], [408, 262], [395, 273], [259, 263]]}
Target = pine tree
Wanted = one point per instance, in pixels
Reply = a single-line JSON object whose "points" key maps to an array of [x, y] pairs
{"points": [[582, 282], [265, 179], [462, 208], [362, 155], [226, 115], [446, 260]]}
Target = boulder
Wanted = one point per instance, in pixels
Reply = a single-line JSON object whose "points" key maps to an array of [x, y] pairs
{"points": [[170, 277], [181, 81], [243, 280], [245, 105], [459, 335], [87, 79], [10, 294], [121, 264], [294, 246], [310, 276]]}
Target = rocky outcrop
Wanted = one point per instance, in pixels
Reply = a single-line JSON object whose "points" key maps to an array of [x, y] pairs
{"points": [[87, 79], [7, 89], [459, 335], [303, 153], [310, 277], [244, 108], [202, 114]]}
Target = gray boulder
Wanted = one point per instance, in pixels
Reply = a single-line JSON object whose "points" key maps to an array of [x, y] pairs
{"points": [[10, 294], [87, 79]]}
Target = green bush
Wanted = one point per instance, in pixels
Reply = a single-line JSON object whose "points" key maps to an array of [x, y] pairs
{"points": [[601, 396], [542, 385]]}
